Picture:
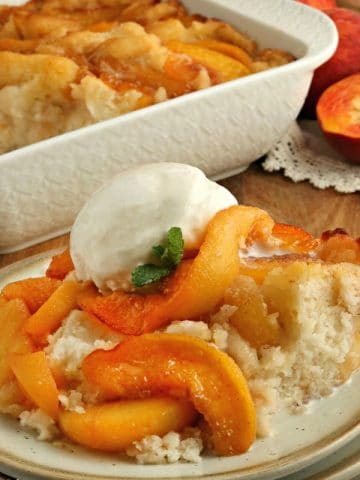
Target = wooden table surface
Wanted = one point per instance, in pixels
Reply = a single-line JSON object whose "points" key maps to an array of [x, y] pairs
{"points": [[301, 204]]}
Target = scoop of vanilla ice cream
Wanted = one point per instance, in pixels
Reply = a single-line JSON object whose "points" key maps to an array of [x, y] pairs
{"points": [[117, 228]]}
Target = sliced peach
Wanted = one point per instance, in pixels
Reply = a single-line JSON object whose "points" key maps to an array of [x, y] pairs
{"points": [[17, 45], [227, 49], [50, 315], [258, 268], [183, 69], [252, 319], [352, 362], [59, 376], [294, 238], [217, 264], [34, 376], [33, 291], [114, 426], [183, 367], [102, 26], [60, 265], [337, 246], [146, 79], [3, 300], [338, 114], [197, 286], [13, 315], [133, 314], [226, 68]]}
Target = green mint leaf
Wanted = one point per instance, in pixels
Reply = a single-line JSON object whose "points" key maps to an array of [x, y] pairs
{"points": [[149, 273], [158, 251], [174, 246], [169, 255]]}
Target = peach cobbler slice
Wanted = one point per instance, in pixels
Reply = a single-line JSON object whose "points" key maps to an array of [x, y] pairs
{"points": [[177, 316]]}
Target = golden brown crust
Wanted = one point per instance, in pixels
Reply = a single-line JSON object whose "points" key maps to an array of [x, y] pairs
{"points": [[114, 49]]}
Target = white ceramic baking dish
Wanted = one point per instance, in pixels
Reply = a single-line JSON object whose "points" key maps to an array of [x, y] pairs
{"points": [[221, 130]]}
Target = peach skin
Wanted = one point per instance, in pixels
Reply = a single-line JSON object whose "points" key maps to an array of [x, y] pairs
{"points": [[33, 291], [186, 368], [60, 265], [295, 238], [338, 114], [320, 4], [344, 62]]}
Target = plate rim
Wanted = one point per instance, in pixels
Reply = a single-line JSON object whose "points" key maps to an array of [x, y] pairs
{"points": [[285, 465], [277, 468]]}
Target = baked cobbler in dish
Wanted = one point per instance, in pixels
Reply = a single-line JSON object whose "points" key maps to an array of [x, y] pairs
{"points": [[64, 65]]}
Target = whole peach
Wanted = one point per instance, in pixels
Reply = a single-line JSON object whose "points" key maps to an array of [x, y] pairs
{"points": [[320, 4], [338, 114], [344, 62]]}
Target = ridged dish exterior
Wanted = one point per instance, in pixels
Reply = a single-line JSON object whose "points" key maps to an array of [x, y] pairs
{"points": [[221, 130]]}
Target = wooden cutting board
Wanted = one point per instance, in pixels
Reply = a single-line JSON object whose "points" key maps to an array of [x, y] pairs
{"points": [[287, 202]]}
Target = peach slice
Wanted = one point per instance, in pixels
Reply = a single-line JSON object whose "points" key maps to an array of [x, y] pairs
{"points": [[295, 238], [133, 314], [297, 241], [114, 426], [352, 362], [50, 315], [258, 268], [252, 319], [183, 69], [217, 264], [227, 49], [60, 265], [33, 291], [102, 26], [34, 376], [3, 300], [225, 67], [337, 246], [13, 315], [183, 367], [338, 114], [197, 286], [17, 45]]}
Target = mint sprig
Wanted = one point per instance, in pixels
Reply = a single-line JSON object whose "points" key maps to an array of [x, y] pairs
{"points": [[149, 273], [169, 255]]}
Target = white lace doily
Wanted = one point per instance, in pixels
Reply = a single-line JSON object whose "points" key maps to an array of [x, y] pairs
{"points": [[304, 154]]}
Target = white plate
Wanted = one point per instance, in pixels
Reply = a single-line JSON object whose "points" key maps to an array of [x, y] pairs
{"points": [[342, 465], [299, 440]]}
